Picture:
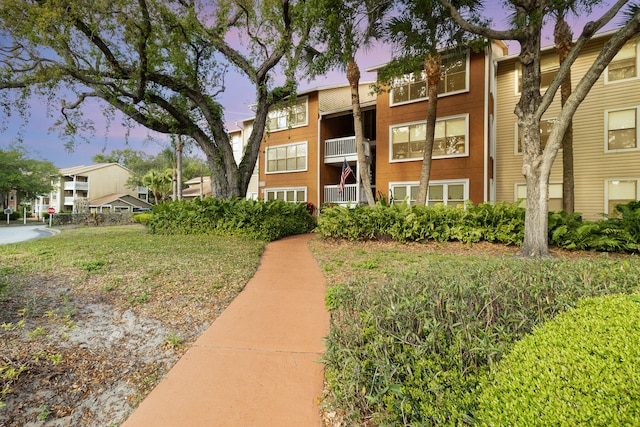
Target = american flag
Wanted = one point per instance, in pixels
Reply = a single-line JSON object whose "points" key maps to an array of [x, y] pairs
{"points": [[346, 170]]}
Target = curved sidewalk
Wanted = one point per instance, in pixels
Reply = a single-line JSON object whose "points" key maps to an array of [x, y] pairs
{"points": [[258, 363]]}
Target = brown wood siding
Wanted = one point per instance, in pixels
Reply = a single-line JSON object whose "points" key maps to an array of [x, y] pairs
{"points": [[592, 165], [308, 134], [470, 167]]}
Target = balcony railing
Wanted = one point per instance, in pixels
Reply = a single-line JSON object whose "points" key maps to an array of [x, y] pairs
{"points": [[348, 195], [78, 185]]}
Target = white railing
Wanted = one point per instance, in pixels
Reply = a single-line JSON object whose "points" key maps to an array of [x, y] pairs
{"points": [[68, 201], [78, 185], [340, 146], [332, 194]]}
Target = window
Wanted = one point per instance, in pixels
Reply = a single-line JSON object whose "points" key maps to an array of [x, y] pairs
{"points": [[625, 64], [287, 158], [286, 194], [290, 117], [450, 139], [444, 192], [555, 195], [413, 86], [619, 192], [549, 65], [546, 126], [622, 129]]}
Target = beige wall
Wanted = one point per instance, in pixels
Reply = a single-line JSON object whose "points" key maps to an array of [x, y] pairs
{"points": [[111, 179], [592, 165]]}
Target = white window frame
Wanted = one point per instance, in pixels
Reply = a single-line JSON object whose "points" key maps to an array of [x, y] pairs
{"points": [[273, 147], [606, 190], [284, 112], [524, 184], [516, 133], [446, 183], [606, 130], [518, 72], [440, 95], [284, 190], [423, 122], [636, 77]]}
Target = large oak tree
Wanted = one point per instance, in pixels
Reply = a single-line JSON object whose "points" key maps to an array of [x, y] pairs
{"points": [[161, 63]]}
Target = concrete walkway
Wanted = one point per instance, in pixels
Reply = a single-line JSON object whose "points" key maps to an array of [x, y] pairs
{"points": [[258, 363]]}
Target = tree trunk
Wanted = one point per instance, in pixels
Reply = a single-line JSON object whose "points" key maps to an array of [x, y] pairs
{"points": [[563, 41], [432, 67], [536, 240], [179, 147], [353, 75]]}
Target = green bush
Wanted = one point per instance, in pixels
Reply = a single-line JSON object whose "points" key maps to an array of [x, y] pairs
{"points": [[142, 218], [267, 221], [500, 223], [580, 369], [413, 348]]}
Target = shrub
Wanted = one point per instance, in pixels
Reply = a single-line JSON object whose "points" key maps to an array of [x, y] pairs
{"points": [[413, 348], [267, 221], [500, 223], [142, 218], [580, 369]]}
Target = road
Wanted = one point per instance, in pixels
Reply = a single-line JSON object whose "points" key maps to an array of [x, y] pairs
{"points": [[22, 233]]}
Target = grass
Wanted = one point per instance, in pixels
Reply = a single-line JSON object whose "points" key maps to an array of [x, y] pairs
{"points": [[185, 282], [135, 268]]}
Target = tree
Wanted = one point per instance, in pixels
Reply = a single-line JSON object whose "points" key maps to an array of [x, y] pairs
{"points": [[30, 178], [528, 20], [346, 26], [421, 31], [159, 183], [160, 63]]}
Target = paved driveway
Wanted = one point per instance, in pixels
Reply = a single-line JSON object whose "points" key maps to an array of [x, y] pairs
{"points": [[21, 233]]}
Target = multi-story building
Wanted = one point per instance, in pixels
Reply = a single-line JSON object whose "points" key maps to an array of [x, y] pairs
{"points": [[477, 153], [307, 142], [100, 186], [605, 132]]}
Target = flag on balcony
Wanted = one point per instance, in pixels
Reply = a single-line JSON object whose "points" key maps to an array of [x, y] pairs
{"points": [[346, 170]]}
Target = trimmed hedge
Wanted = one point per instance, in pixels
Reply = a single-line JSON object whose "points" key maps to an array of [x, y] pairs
{"points": [[583, 368], [268, 221]]}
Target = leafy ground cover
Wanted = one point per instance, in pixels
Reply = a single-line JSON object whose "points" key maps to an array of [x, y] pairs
{"points": [[415, 328], [92, 318]]}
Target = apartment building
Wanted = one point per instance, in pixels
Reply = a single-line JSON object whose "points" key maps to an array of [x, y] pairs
{"points": [[477, 153], [605, 128], [100, 186]]}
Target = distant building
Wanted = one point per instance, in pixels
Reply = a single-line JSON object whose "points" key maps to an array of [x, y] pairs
{"points": [[97, 187]]}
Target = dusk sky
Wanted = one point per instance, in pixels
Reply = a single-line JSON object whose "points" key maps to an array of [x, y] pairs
{"points": [[45, 145]]}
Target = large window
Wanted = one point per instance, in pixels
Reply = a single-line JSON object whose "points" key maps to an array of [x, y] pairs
{"points": [[450, 139], [625, 64], [440, 192], [290, 117], [621, 129], [549, 65], [546, 126], [413, 87], [619, 192], [287, 158], [555, 195], [297, 194]]}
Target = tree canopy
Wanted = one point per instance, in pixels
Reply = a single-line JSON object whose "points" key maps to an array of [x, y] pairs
{"points": [[28, 177], [161, 63]]}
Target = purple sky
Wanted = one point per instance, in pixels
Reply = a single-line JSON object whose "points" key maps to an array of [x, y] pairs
{"points": [[46, 145]]}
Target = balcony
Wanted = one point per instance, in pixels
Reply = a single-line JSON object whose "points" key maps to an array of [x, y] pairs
{"points": [[349, 196], [76, 186], [337, 149]]}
